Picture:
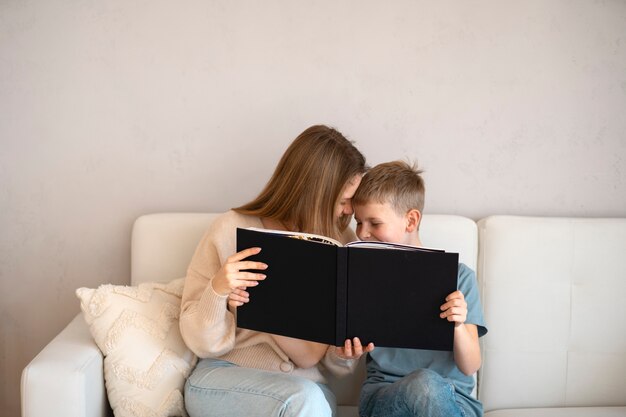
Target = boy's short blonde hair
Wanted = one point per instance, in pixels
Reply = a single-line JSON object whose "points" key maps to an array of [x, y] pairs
{"points": [[396, 183]]}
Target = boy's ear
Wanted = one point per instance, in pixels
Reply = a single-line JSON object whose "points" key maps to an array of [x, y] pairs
{"points": [[413, 218]]}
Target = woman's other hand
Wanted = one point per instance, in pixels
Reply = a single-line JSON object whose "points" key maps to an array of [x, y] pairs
{"points": [[352, 349], [238, 297]]}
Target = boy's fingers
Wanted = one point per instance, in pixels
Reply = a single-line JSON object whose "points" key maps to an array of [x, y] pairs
{"points": [[454, 295], [453, 303]]}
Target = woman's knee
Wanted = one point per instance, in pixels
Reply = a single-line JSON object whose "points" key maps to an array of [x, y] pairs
{"points": [[235, 391], [306, 398]]}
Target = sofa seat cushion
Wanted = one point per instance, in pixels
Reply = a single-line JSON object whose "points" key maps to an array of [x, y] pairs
{"points": [[560, 412]]}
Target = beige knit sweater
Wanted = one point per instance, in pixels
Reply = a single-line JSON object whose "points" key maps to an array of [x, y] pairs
{"points": [[209, 327]]}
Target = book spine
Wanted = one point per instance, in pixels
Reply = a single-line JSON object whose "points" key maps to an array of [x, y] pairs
{"points": [[342, 296]]}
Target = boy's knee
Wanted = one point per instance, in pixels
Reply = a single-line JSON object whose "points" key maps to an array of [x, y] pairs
{"points": [[424, 386], [423, 378]]}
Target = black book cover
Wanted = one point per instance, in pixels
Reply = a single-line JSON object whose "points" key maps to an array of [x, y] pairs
{"points": [[326, 293]]}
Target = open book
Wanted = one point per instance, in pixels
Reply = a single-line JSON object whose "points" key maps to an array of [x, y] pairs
{"points": [[317, 289]]}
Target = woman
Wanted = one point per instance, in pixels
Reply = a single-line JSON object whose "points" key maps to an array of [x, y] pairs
{"points": [[244, 372]]}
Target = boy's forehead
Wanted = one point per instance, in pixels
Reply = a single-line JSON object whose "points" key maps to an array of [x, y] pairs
{"points": [[372, 208], [375, 210]]}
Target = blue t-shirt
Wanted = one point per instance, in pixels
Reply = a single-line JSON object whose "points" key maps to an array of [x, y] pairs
{"points": [[391, 364]]}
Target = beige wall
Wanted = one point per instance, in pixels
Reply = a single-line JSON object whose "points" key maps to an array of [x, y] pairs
{"points": [[111, 109]]}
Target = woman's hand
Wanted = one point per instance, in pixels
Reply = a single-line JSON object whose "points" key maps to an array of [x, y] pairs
{"points": [[238, 297], [455, 308], [352, 349], [231, 279]]}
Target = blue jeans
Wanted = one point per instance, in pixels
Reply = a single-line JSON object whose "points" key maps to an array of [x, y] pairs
{"points": [[218, 388], [423, 393]]}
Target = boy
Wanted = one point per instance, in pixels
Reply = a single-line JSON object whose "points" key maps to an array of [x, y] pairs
{"points": [[410, 382]]}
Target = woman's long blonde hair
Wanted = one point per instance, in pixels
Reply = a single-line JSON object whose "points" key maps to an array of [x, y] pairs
{"points": [[308, 182]]}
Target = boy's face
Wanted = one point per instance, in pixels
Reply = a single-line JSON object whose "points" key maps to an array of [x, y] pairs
{"points": [[375, 221]]}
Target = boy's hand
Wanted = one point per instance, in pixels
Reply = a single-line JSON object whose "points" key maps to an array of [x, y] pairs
{"points": [[353, 349], [455, 308]]}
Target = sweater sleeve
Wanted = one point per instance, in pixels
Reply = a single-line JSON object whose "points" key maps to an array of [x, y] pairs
{"points": [[206, 324], [336, 365]]}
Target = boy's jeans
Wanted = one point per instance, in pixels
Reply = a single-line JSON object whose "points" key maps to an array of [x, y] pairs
{"points": [[422, 393], [220, 388]]}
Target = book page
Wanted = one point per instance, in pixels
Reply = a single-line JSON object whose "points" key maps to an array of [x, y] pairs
{"points": [[389, 245], [300, 235]]}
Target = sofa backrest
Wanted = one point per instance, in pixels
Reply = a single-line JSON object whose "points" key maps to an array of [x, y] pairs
{"points": [[162, 245], [553, 292]]}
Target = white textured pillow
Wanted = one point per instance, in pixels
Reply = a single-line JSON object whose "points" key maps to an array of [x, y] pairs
{"points": [[146, 361]]}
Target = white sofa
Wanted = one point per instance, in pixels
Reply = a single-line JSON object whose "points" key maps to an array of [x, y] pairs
{"points": [[553, 293]]}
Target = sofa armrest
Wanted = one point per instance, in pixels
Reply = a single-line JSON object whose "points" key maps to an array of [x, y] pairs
{"points": [[66, 377]]}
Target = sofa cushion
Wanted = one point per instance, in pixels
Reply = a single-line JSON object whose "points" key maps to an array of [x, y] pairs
{"points": [[560, 412], [145, 359]]}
